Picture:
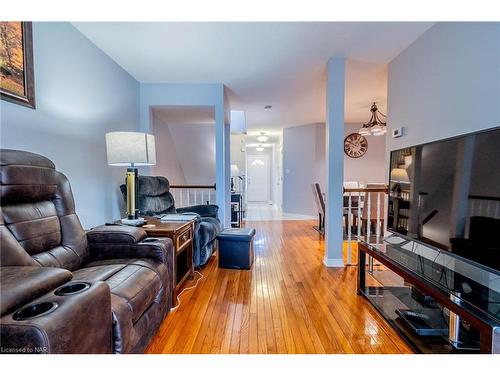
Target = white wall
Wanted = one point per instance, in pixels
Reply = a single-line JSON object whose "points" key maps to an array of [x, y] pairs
{"points": [[446, 83], [278, 170], [81, 94], [237, 155], [371, 167]]}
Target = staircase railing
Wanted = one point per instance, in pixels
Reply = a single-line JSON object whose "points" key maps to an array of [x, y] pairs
{"points": [[364, 213], [191, 195]]}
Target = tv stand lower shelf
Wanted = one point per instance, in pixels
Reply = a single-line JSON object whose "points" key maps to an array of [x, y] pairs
{"points": [[429, 318]]}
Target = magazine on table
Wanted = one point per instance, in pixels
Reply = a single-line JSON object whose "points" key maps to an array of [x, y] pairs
{"points": [[176, 217]]}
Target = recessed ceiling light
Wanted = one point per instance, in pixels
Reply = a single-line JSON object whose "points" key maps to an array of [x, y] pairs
{"points": [[268, 107]]}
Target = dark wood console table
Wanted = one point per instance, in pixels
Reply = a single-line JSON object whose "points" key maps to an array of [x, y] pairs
{"points": [[458, 300], [181, 233]]}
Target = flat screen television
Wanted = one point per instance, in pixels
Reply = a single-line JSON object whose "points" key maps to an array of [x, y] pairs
{"points": [[447, 194]]}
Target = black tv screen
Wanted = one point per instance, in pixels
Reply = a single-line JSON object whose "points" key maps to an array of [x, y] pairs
{"points": [[447, 194]]}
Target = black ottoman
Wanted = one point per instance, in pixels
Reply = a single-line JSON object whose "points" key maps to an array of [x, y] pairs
{"points": [[236, 248]]}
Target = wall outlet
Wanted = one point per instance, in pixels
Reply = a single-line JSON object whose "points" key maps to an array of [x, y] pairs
{"points": [[397, 132]]}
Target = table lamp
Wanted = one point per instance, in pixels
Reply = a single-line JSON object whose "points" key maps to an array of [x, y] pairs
{"points": [[131, 150], [400, 176]]}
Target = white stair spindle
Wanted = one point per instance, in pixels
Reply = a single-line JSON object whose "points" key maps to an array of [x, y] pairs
{"points": [[368, 217], [359, 214], [378, 216], [368, 228], [349, 223]]}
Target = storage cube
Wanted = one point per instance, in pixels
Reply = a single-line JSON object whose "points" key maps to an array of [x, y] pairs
{"points": [[236, 248]]}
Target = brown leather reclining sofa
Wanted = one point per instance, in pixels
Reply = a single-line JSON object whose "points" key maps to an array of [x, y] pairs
{"points": [[64, 290]]}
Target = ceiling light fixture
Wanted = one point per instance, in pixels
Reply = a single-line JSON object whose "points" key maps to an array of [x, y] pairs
{"points": [[375, 126], [268, 107], [262, 137], [259, 148]]}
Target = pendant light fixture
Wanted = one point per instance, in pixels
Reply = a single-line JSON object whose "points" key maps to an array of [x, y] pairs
{"points": [[259, 148], [262, 137], [375, 126]]}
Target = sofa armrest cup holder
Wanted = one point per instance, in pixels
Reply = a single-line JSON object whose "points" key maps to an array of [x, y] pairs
{"points": [[72, 288], [34, 310]]}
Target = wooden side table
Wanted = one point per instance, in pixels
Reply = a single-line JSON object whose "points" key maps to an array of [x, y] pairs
{"points": [[181, 233]]}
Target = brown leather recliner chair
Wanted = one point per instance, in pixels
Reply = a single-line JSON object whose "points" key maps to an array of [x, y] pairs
{"points": [[67, 291]]}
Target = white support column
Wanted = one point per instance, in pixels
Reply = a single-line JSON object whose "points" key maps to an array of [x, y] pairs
{"points": [[335, 91], [220, 163], [227, 181]]}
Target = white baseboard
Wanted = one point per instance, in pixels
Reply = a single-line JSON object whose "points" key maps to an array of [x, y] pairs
{"points": [[333, 262], [299, 216]]}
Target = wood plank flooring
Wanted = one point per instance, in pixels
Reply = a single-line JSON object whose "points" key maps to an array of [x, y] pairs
{"points": [[288, 303]]}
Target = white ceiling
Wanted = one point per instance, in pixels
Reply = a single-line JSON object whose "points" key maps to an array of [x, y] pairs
{"points": [[276, 63]]}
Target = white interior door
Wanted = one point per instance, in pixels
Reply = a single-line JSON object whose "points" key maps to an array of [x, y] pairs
{"points": [[258, 178]]}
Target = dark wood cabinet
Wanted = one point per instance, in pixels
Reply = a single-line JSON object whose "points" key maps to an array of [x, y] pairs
{"points": [[236, 210]]}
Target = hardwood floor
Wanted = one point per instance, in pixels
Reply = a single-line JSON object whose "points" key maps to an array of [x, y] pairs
{"points": [[288, 303]]}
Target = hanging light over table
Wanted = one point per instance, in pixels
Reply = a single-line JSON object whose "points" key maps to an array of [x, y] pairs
{"points": [[262, 137], [375, 126]]}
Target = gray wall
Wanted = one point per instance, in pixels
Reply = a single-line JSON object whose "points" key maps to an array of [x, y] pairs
{"points": [[195, 148], [165, 94], [446, 83], [167, 160], [371, 166], [185, 153], [80, 95], [304, 163]]}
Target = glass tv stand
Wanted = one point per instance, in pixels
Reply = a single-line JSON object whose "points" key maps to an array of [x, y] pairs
{"points": [[437, 301]]}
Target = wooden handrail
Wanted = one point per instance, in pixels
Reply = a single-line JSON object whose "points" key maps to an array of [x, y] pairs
{"points": [[192, 186], [484, 198], [366, 190], [430, 216]]}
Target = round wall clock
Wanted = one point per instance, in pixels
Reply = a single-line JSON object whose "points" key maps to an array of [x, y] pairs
{"points": [[355, 145]]}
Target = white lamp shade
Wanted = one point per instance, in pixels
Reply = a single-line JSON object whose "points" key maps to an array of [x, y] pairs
{"points": [[262, 138], [400, 176], [378, 130], [364, 131], [125, 148], [234, 170]]}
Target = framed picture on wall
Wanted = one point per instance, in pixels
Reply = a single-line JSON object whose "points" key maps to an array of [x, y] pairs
{"points": [[17, 81]]}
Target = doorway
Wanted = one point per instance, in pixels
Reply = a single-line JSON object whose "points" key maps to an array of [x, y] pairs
{"points": [[185, 151], [258, 178]]}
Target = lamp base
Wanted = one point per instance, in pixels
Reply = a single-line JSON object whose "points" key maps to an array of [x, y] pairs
{"points": [[132, 183]]}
